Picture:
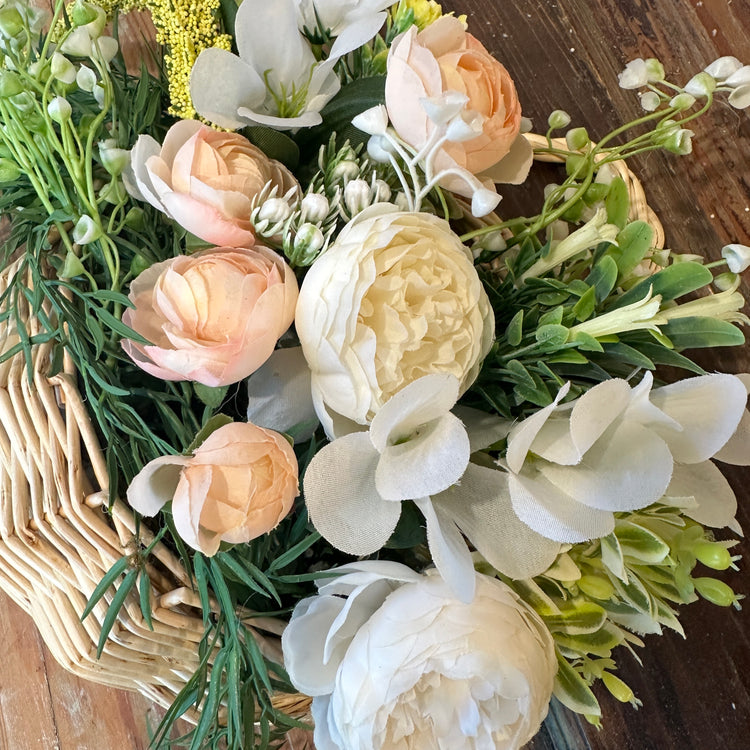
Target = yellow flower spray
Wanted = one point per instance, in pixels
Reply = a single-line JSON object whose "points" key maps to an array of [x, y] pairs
{"points": [[185, 28]]}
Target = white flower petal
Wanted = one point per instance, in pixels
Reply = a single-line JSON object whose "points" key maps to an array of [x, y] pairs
{"points": [[716, 502], [740, 97], [480, 506], [514, 167], [155, 483], [342, 500], [449, 551], [356, 34], [551, 513], [420, 402], [628, 468], [708, 408], [483, 428], [427, 463]]}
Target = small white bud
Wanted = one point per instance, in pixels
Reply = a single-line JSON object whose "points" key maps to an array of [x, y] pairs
{"points": [[346, 170], [682, 101], [727, 282], [401, 202], [309, 240], [382, 191], [526, 125], [86, 230], [99, 95], [314, 207], [62, 69], [59, 109], [373, 121], [634, 75], [740, 97], [650, 101], [357, 196], [441, 109], [740, 77], [107, 47], [701, 84], [558, 119], [483, 202], [113, 159], [723, 67], [379, 149], [86, 79], [737, 257], [273, 211], [77, 43], [654, 70]]}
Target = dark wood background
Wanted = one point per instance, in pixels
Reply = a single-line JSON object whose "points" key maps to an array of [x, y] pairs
{"points": [[562, 54]]}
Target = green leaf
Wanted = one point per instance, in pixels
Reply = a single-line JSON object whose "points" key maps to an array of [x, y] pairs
{"points": [[294, 552], [107, 580], [213, 424], [552, 335], [600, 643], [612, 556], [659, 355], [603, 277], [577, 618], [584, 308], [410, 530], [144, 589], [629, 355], [553, 317], [702, 333], [567, 357], [514, 331], [633, 242], [617, 202], [586, 342], [572, 691], [520, 374], [671, 282], [275, 144], [211, 397], [114, 609], [640, 543]]}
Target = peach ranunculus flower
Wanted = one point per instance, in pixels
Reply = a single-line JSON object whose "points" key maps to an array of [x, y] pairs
{"points": [[205, 180], [444, 57], [213, 317], [238, 484]]}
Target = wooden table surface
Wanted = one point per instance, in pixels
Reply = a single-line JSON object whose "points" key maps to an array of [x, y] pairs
{"points": [[562, 54]]}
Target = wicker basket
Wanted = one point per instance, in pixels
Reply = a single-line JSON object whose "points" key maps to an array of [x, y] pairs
{"points": [[57, 541]]}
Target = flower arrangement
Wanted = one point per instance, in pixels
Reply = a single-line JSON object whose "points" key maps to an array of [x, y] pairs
{"points": [[345, 390]]}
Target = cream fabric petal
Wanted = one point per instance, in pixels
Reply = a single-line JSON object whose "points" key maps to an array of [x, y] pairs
{"points": [[483, 429], [241, 86], [427, 463], [708, 407], [523, 434], [449, 551], [342, 500], [628, 468], [155, 484], [514, 167], [481, 507], [550, 512], [737, 449], [307, 119], [590, 416], [716, 502], [420, 402], [144, 149], [356, 34]]}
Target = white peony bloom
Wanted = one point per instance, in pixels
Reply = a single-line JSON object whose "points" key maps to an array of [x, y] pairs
{"points": [[401, 664], [618, 448], [395, 297], [276, 80]]}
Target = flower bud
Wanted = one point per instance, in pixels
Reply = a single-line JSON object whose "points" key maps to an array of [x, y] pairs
{"points": [[577, 138], [274, 211], [72, 266], [381, 191], [484, 201], [740, 77], [308, 242], [357, 196], [86, 79], [314, 207], [59, 109], [85, 13], [682, 101], [10, 84], [740, 97], [654, 70], [62, 69], [558, 119], [650, 101], [345, 170], [723, 67], [77, 43], [715, 591], [136, 219], [373, 121], [99, 95], [379, 149], [107, 47], [86, 230], [713, 555], [634, 75], [725, 282], [114, 159], [9, 171], [617, 687], [737, 257], [700, 85]]}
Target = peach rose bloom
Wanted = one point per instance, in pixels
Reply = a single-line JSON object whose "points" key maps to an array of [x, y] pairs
{"points": [[444, 57], [205, 180], [213, 317], [238, 484]]}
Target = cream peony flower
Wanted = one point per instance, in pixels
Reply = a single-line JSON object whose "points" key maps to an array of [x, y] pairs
{"points": [[423, 66], [205, 180], [401, 664], [618, 449], [213, 317], [394, 298], [238, 484]]}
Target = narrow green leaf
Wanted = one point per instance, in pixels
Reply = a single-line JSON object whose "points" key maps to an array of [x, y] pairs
{"points": [[577, 619], [114, 609], [629, 355], [514, 330], [640, 543], [671, 282], [201, 580], [294, 552], [107, 580], [659, 355], [702, 333], [603, 277], [144, 590]]}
